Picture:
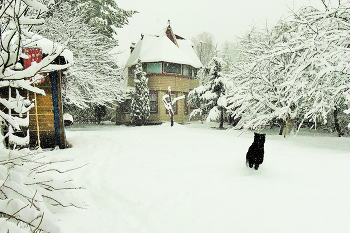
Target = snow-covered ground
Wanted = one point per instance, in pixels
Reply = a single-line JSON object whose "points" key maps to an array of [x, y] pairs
{"points": [[193, 178]]}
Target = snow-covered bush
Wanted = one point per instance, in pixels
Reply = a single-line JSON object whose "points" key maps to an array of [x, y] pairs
{"points": [[140, 110], [30, 193]]}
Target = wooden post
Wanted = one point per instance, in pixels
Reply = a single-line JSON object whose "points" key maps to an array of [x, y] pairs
{"points": [[60, 107], [37, 119]]}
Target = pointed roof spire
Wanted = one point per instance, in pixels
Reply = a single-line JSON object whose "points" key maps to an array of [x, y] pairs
{"points": [[170, 34]]}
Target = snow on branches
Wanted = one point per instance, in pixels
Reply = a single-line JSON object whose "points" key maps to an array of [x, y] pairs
{"points": [[30, 192], [95, 77], [297, 70]]}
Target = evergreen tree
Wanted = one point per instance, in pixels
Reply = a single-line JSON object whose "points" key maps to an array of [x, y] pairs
{"points": [[105, 15], [140, 110], [211, 94]]}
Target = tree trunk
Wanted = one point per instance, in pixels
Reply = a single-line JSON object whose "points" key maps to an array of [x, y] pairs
{"points": [[2, 138], [221, 119], [281, 123], [336, 122], [172, 119]]}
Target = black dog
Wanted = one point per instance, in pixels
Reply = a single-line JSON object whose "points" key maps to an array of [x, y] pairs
{"points": [[255, 154]]}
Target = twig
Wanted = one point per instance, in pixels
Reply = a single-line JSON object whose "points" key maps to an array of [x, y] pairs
{"points": [[59, 203], [23, 196], [51, 188], [53, 169], [32, 202], [17, 212], [43, 163], [42, 216], [15, 218], [8, 176]]}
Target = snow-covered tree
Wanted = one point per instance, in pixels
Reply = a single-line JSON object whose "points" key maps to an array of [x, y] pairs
{"points": [[140, 110], [104, 15], [211, 94], [299, 71], [323, 67], [95, 78], [258, 98]]}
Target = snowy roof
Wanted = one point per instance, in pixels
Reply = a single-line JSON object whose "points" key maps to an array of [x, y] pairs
{"points": [[156, 48], [49, 47]]}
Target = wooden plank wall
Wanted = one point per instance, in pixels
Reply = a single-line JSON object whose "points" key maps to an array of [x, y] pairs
{"points": [[163, 82], [45, 116]]}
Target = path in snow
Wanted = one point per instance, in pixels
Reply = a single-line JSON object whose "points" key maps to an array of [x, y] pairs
{"points": [[189, 179]]}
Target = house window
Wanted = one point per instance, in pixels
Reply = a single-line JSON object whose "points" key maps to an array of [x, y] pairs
{"points": [[154, 67], [153, 101], [173, 96], [187, 70], [172, 68], [125, 107]]}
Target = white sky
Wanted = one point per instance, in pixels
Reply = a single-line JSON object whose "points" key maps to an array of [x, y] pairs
{"points": [[225, 19]]}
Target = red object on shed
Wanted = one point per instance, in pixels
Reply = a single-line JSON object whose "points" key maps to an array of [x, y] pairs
{"points": [[34, 56]]}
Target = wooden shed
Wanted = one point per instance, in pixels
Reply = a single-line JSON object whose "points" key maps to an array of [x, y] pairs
{"points": [[46, 127]]}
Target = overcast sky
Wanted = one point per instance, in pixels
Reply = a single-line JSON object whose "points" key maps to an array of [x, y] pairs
{"points": [[225, 19]]}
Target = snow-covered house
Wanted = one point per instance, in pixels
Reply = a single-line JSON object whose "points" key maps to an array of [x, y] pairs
{"points": [[168, 60], [46, 127]]}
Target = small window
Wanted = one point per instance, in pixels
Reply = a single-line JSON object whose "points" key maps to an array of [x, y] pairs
{"points": [[188, 71], [154, 67], [153, 102], [172, 68]]}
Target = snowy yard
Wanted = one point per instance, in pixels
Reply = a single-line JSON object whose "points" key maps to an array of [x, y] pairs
{"points": [[193, 178]]}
